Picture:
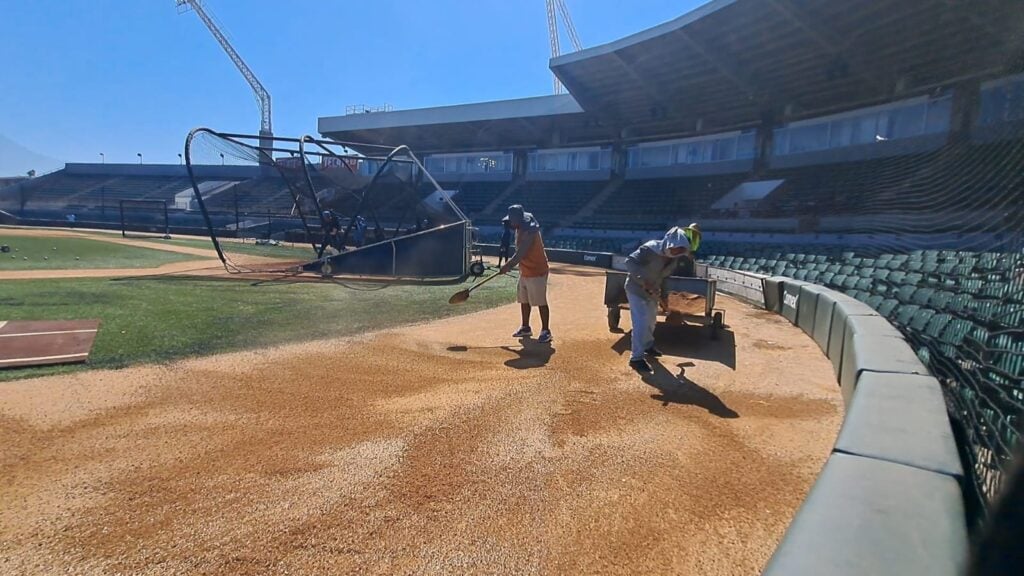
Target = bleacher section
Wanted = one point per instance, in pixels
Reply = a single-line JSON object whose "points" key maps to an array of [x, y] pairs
{"points": [[550, 202], [656, 203], [959, 309], [130, 188], [474, 197]]}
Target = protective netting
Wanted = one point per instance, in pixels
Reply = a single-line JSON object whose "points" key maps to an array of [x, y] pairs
{"points": [[144, 218], [297, 205], [932, 240]]}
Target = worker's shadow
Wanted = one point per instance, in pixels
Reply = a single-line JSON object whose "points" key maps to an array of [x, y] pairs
{"points": [[531, 354], [688, 341], [678, 389]]}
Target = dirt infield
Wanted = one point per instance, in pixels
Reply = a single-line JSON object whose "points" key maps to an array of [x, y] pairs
{"points": [[205, 264], [443, 447]]}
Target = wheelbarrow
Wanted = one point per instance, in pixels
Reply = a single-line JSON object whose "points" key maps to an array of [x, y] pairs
{"points": [[693, 289]]}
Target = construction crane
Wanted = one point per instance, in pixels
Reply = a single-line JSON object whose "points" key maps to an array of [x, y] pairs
{"points": [[262, 96], [556, 7]]}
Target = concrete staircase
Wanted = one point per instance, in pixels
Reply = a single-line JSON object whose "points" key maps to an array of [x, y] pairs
{"points": [[500, 200], [590, 207]]}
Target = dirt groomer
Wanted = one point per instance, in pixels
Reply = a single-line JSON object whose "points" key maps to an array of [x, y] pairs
{"points": [[533, 271], [648, 267]]}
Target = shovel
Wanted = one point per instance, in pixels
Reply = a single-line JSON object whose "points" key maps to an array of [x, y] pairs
{"points": [[463, 295]]}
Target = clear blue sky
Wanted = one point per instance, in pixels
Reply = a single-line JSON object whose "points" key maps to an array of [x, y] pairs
{"points": [[80, 77]]}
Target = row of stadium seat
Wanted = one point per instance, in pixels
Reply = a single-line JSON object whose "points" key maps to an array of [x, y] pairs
{"points": [[963, 312]]}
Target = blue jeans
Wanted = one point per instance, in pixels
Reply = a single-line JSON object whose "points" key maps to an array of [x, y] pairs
{"points": [[643, 313]]}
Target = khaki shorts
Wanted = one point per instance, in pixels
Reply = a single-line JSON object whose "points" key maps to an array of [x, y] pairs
{"points": [[533, 291]]}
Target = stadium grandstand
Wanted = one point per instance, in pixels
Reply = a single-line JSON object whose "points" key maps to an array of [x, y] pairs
{"points": [[815, 140]]}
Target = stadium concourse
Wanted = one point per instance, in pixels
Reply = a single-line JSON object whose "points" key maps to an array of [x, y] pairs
{"points": [[446, 446]]}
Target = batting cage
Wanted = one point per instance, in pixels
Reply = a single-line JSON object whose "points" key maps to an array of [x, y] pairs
{"points": [[325, 209], [144, 219]]}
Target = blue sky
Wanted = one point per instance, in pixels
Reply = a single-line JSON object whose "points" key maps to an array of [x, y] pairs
{"points": [[80, 77]]}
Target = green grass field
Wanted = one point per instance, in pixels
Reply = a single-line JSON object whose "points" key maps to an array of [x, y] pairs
{"points": [[35, 253], [288, 251], [160, 319]]}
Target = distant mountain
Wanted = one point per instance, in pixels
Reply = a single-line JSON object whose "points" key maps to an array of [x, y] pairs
{"points": [[16, 160]]}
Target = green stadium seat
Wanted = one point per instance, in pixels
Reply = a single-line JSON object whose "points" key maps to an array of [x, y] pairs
{"points": [[915, 266], [894, 265], [847, 270], [883, 258], [905, 293], [940, 299], [801, 274], [812, 276], [866, 272], [922, 296], [825, 279], [855, 261], [914, 278], [821, 259], [997, 290], [896, 277], [905, 313], [963, 270], [960, 304], [929, 267], [952, 336], [838, 280], [921, 318], [881, 274], [888, 307], [833, 268], [865, 284], [850, 282], [1009, 356], [874, 301], [970, 286]]}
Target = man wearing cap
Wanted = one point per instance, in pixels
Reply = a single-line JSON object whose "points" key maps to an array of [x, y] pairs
{"points": [[533, 271], [506, 241], [648, 267]]}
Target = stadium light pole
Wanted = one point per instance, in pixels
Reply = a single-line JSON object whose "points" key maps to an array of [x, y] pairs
{"points": [[180, 159], [139, 154], [221, 158], [103, 158]]}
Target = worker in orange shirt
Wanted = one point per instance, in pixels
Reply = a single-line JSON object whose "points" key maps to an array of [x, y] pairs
{"points": [[533, 271]]}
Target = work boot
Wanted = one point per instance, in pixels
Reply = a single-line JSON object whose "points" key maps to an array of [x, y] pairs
{"points": [[641, 366]]}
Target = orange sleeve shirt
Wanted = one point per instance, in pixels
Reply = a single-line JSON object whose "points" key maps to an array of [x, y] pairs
{"points": [[534, 261]]}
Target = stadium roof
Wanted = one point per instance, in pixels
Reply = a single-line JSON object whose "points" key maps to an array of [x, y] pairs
{"points": [[728, 64], [526, 122], [730, 60]]}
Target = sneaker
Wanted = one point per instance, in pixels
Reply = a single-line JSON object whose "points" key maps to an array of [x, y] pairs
{"points": [[545, 337], [641, 366], [523, 332], [653, 352]]}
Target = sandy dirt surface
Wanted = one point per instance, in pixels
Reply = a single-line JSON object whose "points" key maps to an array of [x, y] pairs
{"points": [[446, 447]]}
